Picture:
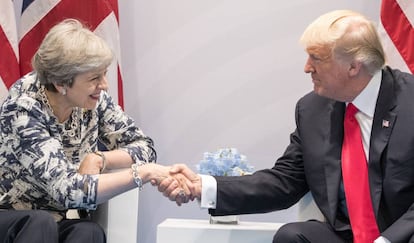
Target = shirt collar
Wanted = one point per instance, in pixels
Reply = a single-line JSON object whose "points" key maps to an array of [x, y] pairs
{"points": [[367, 99]]}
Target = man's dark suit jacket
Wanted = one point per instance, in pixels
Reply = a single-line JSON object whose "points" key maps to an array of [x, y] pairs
{"points": [[312, 161]]}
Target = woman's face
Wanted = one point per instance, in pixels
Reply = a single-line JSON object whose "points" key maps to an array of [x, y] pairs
{"points": [[87, 88]]}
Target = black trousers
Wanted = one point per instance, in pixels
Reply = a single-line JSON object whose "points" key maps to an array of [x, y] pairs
{"points": [[37, 226], [311, 232], [314, 232]]}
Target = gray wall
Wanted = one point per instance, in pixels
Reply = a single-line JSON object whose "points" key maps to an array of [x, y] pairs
{"points": [[201, 75]]}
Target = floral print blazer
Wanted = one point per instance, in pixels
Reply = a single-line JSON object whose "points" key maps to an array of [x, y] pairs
{"points": [[39, 157]]}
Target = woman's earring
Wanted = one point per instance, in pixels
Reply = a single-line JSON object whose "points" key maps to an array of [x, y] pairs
{"points": [[63, 92]]}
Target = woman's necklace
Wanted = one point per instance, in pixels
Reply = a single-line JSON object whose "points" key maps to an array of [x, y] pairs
{"points": [[68, 129]]}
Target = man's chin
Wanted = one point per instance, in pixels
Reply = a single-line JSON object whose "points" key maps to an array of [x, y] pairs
{"points": [[318, 90], [321, 93]]}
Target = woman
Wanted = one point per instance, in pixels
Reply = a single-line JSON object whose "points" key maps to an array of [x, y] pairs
{"points": [[51, 125]]}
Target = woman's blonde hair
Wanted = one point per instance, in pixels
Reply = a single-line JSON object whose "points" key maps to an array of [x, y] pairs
{"points": [[347, 34], [69, 49]]}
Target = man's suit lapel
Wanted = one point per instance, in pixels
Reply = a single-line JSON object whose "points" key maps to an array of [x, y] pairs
{"points": [[384, 119]]}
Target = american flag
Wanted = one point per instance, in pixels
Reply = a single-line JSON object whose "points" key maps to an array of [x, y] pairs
{"points": [[9, 61], [397, 33], [38, 16]]}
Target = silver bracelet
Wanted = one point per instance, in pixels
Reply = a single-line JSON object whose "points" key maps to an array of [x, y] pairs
{"points": [[103, 160], [136, 177]]}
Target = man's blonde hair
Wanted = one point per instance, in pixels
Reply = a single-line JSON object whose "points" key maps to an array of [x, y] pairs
{"points": [[347, 34]]}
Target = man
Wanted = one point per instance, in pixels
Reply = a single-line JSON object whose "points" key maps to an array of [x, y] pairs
{"points": [[346, 63]]}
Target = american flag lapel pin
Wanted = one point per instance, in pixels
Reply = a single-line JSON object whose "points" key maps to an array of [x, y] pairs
{"points": [[385, 123]]}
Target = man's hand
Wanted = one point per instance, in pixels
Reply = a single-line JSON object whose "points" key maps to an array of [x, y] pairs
{"points": [[187, 179]]}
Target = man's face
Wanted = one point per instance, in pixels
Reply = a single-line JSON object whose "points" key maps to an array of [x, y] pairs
{"points": [[329, 74]]}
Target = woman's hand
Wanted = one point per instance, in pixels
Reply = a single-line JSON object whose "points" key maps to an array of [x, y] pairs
{"points": [[188, 181], [91, 164], [179, 187]]}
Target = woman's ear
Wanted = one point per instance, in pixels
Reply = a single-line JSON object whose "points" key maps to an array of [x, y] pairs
{"points": [[60, 88]]}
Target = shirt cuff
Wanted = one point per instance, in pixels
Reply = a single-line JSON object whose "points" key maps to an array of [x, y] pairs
{"points": [[382, 239], [208, 192]]}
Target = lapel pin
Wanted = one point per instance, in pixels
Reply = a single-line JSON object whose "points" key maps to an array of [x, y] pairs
{"points": [[385, 123]]}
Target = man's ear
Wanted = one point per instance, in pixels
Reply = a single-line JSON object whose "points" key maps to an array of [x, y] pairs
{"points": [[354, 68]]}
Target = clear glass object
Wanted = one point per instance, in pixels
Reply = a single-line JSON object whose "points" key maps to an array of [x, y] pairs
{"points": [[228, 219]]}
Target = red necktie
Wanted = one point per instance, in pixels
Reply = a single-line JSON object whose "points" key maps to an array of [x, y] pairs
{"points": [[355, 176]]}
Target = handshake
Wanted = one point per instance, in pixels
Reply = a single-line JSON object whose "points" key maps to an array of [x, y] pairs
{"points": [[177, 182]]}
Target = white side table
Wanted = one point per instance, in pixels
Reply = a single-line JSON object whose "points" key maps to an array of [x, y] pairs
{"points": [[201, 231]]}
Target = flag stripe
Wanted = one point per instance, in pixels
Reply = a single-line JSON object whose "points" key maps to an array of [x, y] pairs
{"points": [[8, 24], [3, 90], [9, 67], [120, 89], [399, 29], [407, 7], [114, 7], [108, 29], [9, 59]]}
